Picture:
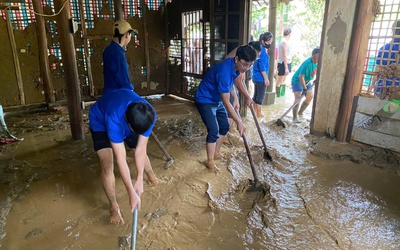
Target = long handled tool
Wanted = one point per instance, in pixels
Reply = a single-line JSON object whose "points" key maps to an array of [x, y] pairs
{"points": [[253, 169], [280, 122], [266, 153], [5, 136], [134, 228], [169, 158]]}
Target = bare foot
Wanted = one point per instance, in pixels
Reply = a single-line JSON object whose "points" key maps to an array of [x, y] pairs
{"points": [[152, 178], [116, 217], [212, 167], [217, 156]]}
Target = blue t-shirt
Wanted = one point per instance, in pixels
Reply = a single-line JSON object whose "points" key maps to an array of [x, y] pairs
{"points": [[308, 68], [260, 65], [115, 68], [108, 114], [219, 79], [387, 56]]}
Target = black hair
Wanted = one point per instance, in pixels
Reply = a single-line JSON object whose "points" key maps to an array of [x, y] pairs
{"points": [[256, 45], [315, 51], [266, 36], [247, 53], [140, 116], [117, 34]]}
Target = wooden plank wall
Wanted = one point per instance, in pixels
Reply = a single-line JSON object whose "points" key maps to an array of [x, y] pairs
{"points": [[336, 43], [374, 126]]}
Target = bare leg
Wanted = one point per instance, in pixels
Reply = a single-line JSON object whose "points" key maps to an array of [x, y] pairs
{"points": [[218, 145], [210, 147], [108, 180], [149, 172], [297, 95]]}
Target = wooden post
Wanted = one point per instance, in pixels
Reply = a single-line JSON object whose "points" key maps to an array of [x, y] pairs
{"points": [[167, 45], [43, 53], [355, 67], [16, 60], [119, 13], [146, 42], [271, 51], [86, 49], [70, 69]]}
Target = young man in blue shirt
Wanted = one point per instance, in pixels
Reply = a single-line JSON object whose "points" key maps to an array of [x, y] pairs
{"points": [[121, 116], [115, 65], [212, 100]]}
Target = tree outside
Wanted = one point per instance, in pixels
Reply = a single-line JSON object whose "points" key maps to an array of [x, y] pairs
{"points": [[304, 17]]}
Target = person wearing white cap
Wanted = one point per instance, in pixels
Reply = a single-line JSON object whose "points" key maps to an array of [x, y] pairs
{"points": [[115, 65]]}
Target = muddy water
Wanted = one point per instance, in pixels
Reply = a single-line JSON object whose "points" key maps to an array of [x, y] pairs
{"points": [[51, 196]]}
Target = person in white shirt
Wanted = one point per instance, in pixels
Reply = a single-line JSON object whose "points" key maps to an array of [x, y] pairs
{"points": [[284, 62]]}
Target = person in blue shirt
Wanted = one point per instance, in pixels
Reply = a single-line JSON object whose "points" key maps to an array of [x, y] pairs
{"points": [[388, 55], [260, 73], [121, 116], [212, 100], [115, 65], [301, 83]]}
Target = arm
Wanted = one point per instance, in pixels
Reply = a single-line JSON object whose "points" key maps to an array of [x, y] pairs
{"points": [[122, 74], [140, 160], [263, 67], [120, 157], [240, 126], [302, 81], [239, 83], [266, 81], [284, 53], [236, 104]]}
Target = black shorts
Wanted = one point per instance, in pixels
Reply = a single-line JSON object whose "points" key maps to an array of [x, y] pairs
{"points": [[281, 68], [101, 140]]}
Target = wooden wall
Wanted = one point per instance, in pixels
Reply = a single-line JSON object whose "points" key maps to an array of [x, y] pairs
{"points": [[335, 48]]}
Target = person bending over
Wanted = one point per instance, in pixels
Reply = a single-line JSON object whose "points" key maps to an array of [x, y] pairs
{"points": [[121, 116], [301, 83]]}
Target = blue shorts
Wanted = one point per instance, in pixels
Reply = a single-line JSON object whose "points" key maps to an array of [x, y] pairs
{"points": [[296, 87], [215, 118]]}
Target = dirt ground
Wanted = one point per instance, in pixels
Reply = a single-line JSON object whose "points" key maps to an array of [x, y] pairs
{"points": [[315, 193]]}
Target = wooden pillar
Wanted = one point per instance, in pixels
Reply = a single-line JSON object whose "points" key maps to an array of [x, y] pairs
{"points": [[167, 44], [271, 51], [15, 59], [86, 48], [355, 67], [70, 68], [119, 13], [43, 53], [146, 42]]}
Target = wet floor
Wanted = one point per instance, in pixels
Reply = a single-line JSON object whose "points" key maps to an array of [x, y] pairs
{"points": [[51, 196]]}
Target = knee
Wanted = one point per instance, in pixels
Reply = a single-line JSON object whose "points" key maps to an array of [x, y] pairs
{"points": [[224, 129], [212, 138]]}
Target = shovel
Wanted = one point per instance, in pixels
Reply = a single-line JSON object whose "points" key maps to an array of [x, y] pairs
{"points": [[255, 184], [266, 153], [170, 160], [280, 122], [134, 228]]}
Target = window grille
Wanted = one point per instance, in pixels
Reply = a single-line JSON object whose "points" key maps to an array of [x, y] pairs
{"points": [[381, 67]]}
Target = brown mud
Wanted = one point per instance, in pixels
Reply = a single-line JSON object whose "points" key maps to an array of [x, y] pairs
{"points": [[316, 193]]}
